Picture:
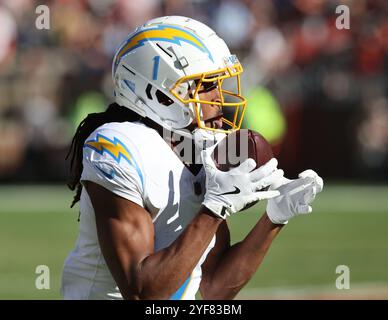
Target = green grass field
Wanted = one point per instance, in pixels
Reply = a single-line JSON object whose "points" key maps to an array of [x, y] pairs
{"points": [[348, 227]]}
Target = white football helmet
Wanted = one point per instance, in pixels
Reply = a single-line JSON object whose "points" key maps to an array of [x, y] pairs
{"points": [[161, 68]]}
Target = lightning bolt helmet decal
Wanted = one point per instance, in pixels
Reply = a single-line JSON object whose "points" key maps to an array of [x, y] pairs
{"points": [[166, 33]]}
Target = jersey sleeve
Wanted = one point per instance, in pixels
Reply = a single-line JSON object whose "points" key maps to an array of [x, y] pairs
{"points": [[111, 160]]}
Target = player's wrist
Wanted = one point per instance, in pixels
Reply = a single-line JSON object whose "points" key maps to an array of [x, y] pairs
{"points": [[216, 208], [204, 209], [275, 217], [274, 221]]}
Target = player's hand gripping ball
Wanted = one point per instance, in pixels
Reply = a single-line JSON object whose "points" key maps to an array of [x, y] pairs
{"points": [[238, 173], [239, 145]]}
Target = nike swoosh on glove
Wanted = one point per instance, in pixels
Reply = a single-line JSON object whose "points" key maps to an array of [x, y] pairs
{"points": [[229, 192], [295, 196]]}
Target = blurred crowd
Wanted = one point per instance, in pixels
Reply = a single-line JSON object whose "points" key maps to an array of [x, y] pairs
{"points": [[328, 86]]}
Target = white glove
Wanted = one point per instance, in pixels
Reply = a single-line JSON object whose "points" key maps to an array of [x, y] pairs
{"points": [[295, 196], [229, 192], [204, 139]]}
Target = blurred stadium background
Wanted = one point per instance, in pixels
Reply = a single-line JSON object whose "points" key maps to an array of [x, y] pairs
{"points": [[318, 94]]}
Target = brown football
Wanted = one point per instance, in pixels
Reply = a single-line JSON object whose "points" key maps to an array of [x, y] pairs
{"points": [[239, 145]]}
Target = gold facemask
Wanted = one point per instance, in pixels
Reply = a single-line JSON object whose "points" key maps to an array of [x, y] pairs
{"points": [[228, 98]]}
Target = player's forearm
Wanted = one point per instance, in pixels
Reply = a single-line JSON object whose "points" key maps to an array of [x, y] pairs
{"points": [[162, 273], [240, 261]]}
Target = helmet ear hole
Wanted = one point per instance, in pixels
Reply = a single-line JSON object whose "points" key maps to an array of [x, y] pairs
{"points": [[163, 98]]}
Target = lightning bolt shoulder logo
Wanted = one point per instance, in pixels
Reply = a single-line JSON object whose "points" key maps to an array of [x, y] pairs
{"points": [[115, 148], [167, 33]]}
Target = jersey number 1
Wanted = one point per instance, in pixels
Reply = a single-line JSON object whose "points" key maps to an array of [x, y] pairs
{"points": [[156, 67]]}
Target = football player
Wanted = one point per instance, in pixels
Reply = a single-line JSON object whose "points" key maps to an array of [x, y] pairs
{"points": [[151, 225]]}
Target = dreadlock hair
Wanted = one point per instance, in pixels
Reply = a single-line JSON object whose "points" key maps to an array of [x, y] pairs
{"points": [[114, 113]]}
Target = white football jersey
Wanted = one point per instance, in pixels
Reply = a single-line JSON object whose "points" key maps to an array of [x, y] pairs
{"points": [[134, 162]]}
